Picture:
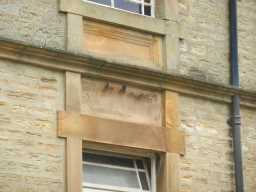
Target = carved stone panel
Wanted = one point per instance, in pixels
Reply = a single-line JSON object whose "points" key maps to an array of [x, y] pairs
{"points": [[124, 45], [121, 102]]}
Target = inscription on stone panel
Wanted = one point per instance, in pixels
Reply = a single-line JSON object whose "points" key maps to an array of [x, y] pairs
{"points": [[119, 102], [124, 45]]}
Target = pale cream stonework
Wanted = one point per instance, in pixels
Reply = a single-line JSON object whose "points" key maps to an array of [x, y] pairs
{"points": [[203, 38], [208, 161], [32, 157], [249, 146]]}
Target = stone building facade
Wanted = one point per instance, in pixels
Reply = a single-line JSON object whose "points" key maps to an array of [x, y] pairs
{"points": [[72, 74]]}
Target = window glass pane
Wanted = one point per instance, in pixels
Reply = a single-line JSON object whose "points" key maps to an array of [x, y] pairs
{"points": [[110, 176], [140, 164], [143, 180], [103, 2], [147, 10], [128, 5], [148, 166], [110, 160]]}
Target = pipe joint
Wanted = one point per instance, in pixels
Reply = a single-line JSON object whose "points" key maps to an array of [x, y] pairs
{"points": [[235, 120]]}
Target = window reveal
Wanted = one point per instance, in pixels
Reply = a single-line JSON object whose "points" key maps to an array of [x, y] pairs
{"points": [[143, 7]]}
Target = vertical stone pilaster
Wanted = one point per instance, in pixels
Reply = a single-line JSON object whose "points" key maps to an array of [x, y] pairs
{"points": [[73, 144], [74, 164], [168, 180], [73, 92], [75, 35], [169, 171], [68, 4], [175, 139], [168, 9], [171, 51]]}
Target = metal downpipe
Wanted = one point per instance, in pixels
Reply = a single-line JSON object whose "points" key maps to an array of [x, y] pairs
{"points": [[235, 116]]}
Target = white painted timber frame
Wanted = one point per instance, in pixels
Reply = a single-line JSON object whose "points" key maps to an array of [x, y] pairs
{"points": [[100, 187]]}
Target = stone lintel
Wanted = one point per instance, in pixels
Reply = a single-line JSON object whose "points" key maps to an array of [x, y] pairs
{"points": [[114, 132]]}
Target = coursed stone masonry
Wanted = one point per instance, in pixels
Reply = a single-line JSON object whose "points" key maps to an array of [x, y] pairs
{"points": [[36, 22], [32, 157]]}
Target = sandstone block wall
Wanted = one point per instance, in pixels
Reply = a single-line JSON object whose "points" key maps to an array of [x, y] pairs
{"points": [[35, 22], [208, 161], [247, 43], [32, 158], [204, 34], [249, 146], [204, 41]]}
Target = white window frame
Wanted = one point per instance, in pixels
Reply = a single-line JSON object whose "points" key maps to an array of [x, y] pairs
{"points": [[141, 2], [103, 188]]}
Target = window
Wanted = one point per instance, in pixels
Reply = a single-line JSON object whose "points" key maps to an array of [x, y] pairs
{"points": [[143, 7], [117, 173]]}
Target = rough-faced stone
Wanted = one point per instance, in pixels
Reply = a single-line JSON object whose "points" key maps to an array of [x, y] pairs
{"points": [[208, 162], [35, 22], [32, 156], [249, 146], [247, 43], [204, 40]]}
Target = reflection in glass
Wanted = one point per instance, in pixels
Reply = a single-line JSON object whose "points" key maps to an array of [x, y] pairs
{"points": [[144, 7], [147, 10], [115, 172], [128, 6], [109, 176], [110, 160], [143, 180], [103, 2]]}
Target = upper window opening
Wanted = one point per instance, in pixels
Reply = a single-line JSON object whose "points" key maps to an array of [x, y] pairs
{"points": [[104, 172], [142, 7]]}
